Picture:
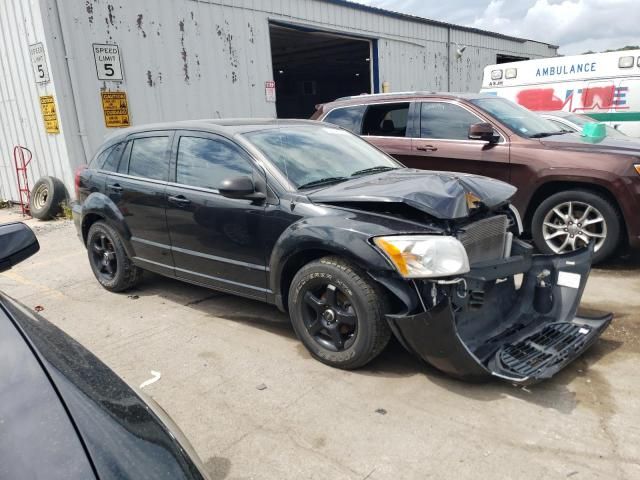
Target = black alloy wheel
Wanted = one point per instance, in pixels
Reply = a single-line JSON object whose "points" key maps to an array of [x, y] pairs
{"points": [[103, 256], [330, 318], [338, 312], [109, 260]]}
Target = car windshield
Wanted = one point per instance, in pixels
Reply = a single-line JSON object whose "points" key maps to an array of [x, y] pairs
{"points": [[311, 155], [522, 121]]}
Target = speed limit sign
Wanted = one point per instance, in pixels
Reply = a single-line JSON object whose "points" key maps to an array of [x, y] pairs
{"points": [[107, 59], [39, 63]]}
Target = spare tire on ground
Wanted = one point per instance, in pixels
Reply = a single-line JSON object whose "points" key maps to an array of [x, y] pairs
{"points": [[47, 196]]}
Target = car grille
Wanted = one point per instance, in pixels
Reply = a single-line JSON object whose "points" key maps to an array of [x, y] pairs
{"points": [[543, 349], [486, 239]]}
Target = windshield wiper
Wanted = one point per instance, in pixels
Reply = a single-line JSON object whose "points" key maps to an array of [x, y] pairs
{"points": [[379, 168], [548, 134], [322, 181]]}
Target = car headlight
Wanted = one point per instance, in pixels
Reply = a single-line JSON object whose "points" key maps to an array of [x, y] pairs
{"points": [[424, 256]]}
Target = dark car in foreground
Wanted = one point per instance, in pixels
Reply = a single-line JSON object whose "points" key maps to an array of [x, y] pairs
{"points": [[315, 220], [572, 190], [66, 415]]}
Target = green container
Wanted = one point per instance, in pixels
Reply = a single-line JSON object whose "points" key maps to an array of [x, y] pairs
{"points": [[594, 130]]}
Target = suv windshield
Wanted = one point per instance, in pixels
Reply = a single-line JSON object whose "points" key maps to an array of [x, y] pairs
{"points": [[313, 155], [517, 118]]}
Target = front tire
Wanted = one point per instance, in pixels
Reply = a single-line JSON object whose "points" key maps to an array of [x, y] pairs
{"points": [[570, 220], [108, 259], [337, 312]]}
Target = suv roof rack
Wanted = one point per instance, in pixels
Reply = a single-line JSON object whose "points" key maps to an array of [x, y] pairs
{"points": [[392, 94]]}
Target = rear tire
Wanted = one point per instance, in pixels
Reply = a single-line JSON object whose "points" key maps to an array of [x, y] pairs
{"points": [[576, 217], [337, 312], [108, 259], [46, 197]]}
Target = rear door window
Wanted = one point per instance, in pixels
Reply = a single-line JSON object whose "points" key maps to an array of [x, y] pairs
{"points": [[149, 158], [442, 120], [386, 120], [206, 162], [349, 118]]}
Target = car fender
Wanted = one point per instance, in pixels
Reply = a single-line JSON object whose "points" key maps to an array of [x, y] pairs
{"points": [[345, 237], [586, 177], [101, 205]]}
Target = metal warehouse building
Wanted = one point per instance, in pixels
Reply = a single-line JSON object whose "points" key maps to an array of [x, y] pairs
{"points": [[74, 70]]}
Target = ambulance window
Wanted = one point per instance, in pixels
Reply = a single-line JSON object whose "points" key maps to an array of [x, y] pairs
{"points": [[626, 62]]}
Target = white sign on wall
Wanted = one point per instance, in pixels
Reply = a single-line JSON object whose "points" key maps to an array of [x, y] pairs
{"points": [[270, 91], [39, 63], [108, 66]]}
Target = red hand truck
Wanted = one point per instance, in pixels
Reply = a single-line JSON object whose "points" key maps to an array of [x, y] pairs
{"points": [[22, 158]]}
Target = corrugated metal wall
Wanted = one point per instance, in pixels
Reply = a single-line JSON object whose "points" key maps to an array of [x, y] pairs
{"points": [[20, 117], [200, 59]]}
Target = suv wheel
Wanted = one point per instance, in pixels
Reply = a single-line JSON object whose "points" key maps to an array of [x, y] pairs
{"points": [[108, 258], [570, 220], [337, 312]]}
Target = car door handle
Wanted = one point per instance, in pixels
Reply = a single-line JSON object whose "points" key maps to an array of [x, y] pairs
{"points": [[115, 187], [179, 200], [426, 148]]}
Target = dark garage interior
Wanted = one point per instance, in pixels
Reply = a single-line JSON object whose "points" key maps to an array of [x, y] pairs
{"points": [[311, 67]]}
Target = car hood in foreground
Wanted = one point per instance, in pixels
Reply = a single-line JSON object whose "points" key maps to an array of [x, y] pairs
{"points": [[443, 195], [122, 435]]}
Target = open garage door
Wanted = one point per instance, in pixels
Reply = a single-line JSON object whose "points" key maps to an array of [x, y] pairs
{"points": [[311, 67]]}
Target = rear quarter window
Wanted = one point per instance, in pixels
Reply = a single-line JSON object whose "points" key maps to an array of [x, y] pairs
{"points": [[112, 160], [349, 118], [98, 161]]}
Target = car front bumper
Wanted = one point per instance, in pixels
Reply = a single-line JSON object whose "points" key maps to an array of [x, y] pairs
{"points": [[486, 324]]}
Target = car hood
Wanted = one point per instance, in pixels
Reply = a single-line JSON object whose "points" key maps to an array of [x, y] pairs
{"points": [[444, 195], [576, 142]]}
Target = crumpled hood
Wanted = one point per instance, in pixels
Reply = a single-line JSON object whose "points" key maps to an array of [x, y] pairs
{"points": [[444, 195]]}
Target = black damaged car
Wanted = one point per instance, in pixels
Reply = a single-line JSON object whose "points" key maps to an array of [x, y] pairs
{"points": [[315, 220]]}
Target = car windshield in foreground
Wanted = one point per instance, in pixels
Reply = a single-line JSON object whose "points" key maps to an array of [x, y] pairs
{"points": [[311, 155], [522, 121]]}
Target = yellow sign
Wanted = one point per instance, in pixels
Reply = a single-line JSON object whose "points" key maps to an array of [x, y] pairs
{"points": [[49, 114], [116, 109]]}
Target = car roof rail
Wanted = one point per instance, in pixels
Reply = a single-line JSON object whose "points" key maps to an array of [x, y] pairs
{"points": [[383, 95]]}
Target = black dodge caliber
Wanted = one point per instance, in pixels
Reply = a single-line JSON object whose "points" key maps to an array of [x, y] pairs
{"points": [[315, 220]]}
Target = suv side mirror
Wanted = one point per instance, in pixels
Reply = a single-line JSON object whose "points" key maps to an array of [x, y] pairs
{"points": [[17, 243], [482, 131], [240, 187]]}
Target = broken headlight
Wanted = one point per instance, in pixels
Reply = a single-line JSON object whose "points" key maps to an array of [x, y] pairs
{"points": [[424, 256]]}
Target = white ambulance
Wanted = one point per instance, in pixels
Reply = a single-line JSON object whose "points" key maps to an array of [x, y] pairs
{"points": [[605, 86]]}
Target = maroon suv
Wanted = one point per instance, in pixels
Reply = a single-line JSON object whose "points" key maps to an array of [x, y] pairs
{"points": [[572, 190]]}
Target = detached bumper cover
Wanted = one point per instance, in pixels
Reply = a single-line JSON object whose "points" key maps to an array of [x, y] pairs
{"points": [[486, 326]]}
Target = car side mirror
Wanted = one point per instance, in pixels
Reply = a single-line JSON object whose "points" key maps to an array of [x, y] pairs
{"points": [[17, 243], [240, 187], [482, 131]]}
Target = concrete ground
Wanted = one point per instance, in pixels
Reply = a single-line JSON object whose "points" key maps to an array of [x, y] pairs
{"points": [[396, 418]]}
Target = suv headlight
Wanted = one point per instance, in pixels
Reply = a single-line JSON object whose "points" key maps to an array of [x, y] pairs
{"points": [[424, 256]]}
